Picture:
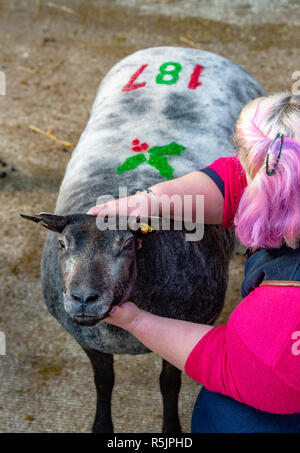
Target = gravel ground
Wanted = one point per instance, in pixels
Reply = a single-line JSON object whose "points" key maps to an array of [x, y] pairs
{"points": [[54, 55]]}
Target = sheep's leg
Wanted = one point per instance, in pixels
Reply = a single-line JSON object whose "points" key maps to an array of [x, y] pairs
{"points": [[170, 382], [104, 380]]}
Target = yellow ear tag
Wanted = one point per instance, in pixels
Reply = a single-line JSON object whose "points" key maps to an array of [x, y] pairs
{"points": [[145, 228]]}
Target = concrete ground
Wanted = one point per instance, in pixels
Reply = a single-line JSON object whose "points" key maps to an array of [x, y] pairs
{"points": [[54, 54]]}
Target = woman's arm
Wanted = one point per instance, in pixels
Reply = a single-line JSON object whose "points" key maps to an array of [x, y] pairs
{"points": [[171, 339], [193, 184]]}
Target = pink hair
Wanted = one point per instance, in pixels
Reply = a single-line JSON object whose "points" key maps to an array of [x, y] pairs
{"points": [[269, 211]]}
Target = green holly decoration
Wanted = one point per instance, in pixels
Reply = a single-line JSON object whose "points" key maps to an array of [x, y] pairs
{"points": [[131, 163], [161, 164], [156, 159]]}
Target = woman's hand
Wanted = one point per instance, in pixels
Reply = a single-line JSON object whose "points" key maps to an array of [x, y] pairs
{"points": [[171, 339], [126, 316], [144, 204], [134, 205]]}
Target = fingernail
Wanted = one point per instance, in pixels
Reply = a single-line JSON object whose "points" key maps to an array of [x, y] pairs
{"points": [[113, 310]]}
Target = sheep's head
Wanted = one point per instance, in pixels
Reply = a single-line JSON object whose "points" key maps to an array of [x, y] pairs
{"points": [[98, 266]]}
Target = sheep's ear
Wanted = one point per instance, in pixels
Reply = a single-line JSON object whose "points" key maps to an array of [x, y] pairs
{"points": [[50, 221], [142, 227]]}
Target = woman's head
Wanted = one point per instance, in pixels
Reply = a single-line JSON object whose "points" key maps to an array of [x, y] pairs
{"points": [[269, 211]]}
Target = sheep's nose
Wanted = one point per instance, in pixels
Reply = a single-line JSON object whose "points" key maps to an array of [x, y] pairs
{"points": [[85, 298]]}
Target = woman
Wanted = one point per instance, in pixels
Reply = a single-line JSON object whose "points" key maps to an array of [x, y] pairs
{"points": [[250, 367]]}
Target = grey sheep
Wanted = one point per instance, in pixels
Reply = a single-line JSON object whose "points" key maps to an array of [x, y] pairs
{"points": [[158, 96]]}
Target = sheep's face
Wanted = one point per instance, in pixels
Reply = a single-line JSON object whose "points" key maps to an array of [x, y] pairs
{"points": [[98, 266]]}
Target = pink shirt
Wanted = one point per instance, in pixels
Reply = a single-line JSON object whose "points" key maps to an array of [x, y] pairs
{"points": [[255, 357], [230, 177]]}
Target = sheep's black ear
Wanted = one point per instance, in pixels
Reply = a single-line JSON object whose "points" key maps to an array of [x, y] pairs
{"points": [[50, 221], [142, 227]]}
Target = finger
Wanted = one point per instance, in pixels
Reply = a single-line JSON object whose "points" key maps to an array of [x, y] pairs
{"points": [[118, 313], [106, 209], [111, 208], [109, 319], [114, 317], [122, 315], [95, 209]]}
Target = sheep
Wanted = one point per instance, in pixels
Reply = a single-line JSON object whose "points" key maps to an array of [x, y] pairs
{"points": [[186, 102]]}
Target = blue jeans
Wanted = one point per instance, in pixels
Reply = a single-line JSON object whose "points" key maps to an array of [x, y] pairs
{"points": [[216, 413]]}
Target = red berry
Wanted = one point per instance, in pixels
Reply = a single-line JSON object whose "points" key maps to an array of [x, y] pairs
{"points": [[144, 146], [136, 149], [135, 142]]}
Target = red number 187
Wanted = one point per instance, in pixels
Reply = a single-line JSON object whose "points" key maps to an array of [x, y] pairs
{"points": [[193, 83]]}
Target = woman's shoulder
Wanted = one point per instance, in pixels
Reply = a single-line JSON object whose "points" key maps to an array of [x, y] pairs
{"points": [[227, 168], [230, 177], [232, 161]]}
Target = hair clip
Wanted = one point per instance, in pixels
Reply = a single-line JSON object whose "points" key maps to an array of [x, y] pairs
{"points": [[271, 171]]}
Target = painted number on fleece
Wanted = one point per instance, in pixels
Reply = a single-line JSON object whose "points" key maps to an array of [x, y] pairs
{"points": [[168, 75]]}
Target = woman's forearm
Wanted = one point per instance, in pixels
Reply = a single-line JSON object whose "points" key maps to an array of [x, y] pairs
{"points": [[179, 199], [171, 339]]}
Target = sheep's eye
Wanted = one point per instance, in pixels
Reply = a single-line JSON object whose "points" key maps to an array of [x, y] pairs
{"points": [[129, 244], [61, 244]]}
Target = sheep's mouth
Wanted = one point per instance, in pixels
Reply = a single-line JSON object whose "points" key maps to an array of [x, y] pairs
{"points": [[90, 321], [86, 320]]}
